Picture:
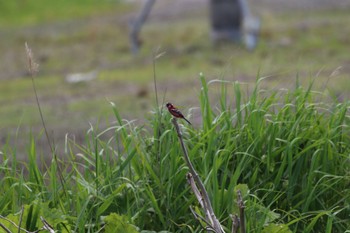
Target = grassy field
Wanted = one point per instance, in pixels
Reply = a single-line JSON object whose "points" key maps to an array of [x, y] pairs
{"points": [[287, 151], [285, 146], [25, 12]]}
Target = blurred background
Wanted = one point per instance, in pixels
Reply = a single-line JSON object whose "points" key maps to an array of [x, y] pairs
{"points": [[86, 59]]}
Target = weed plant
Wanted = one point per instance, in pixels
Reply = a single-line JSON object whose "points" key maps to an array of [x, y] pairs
{"points": [[286, 150]]}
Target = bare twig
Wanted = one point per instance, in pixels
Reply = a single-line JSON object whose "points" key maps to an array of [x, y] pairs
{"points": [[198, 217], [195, 189], [14, 224], [5, 228], [241, 211], [235, 223], [199, 197], [47, 226], [210, 215]]}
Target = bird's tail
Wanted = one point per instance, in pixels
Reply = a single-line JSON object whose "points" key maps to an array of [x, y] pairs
{"points": [[187, 121]]}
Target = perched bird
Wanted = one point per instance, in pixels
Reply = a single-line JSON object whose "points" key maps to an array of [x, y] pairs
{"points": [[176, 112]]}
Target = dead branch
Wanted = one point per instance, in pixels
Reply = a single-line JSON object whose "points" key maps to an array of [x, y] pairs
{"points": [[199, 217], [208, 209], [241, 211], [5, 228], [47, 226], [235, 223]]}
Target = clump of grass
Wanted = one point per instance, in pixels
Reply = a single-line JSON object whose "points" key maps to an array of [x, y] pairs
{"points": [[287, 151]]}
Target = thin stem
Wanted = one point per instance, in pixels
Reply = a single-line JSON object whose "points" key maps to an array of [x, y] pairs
{"points": [[5, 228], [20, 219], [33, 69]]}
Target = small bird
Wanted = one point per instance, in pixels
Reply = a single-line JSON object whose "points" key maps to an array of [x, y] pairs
{"points": [[176, 112]]}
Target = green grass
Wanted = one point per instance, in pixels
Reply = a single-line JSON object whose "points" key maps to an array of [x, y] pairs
{"points": [[24, 12], [287, 151]]}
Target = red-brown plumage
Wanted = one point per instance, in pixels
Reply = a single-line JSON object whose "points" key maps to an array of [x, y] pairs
{"points": [[176, 112]]}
